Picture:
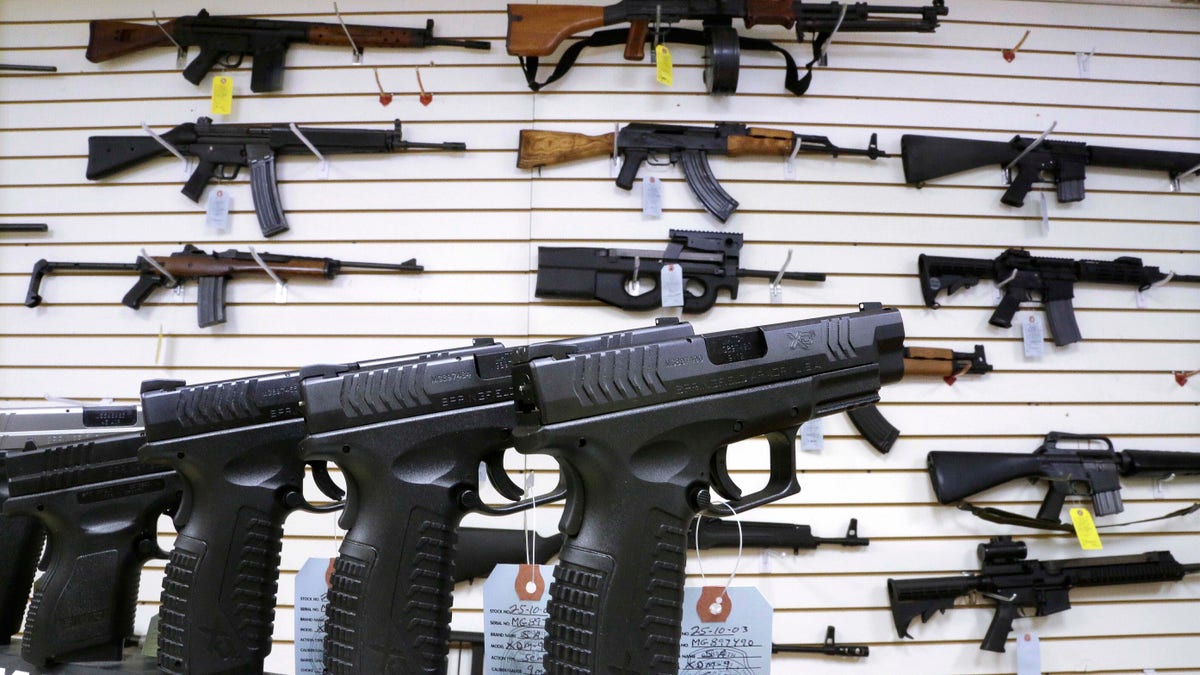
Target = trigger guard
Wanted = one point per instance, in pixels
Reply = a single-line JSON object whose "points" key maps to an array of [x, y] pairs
{"points": [[781, 482], [559, 492], [227, 61], [222, 172], [722, 483], [500, 480]]}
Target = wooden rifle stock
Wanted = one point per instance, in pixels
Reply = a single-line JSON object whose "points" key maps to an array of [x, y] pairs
{"points": [[205, 265], [929, 361], [110, 39], [538, 30], [545, 148], [760, 141]]}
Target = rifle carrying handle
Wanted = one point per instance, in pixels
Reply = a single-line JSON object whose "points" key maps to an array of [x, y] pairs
{"points": [[22, 537]]}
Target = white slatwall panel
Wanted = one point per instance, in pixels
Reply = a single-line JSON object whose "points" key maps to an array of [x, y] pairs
{"points": [[475, 222]]}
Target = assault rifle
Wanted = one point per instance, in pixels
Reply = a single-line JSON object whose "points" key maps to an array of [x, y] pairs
{"points": [[641, 435], [1068, 472], [626, 278], [100, 508], [1022, 275], [226, 40], [927, 157], [945, 363], [223, 149], [210, 270], [1016, 583], [538, 30], [23, 536], [690, 146]]}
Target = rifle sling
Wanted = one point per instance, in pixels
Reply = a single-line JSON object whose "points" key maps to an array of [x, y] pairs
{"points": [[606, 38], [994, 515]]}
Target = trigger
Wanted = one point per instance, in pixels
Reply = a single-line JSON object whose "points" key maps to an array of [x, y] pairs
{"points": [[320, 473], [44, 563], [350, 514], [500, 480], [183, 513], [572, 517], [721, 481]]}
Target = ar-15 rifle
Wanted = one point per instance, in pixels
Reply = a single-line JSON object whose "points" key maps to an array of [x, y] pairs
{"points": [[538, 30], [1068, 472], [223, 149], [641, 435], [210, 270], [100, 509], [1021, 274], [625, 278], [1016, 583], [226, 40], [927, 157], [945, 363], [23, 536], [638, 143]]}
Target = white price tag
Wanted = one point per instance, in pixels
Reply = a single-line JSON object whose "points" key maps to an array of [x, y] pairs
{"points": [[514, 607], [312, 595], [1045, 210], [216, 210], [281, 294], [728, 633], [652, 197], [1029, 654], [812, 435], [1033, 333], [671, 283]]}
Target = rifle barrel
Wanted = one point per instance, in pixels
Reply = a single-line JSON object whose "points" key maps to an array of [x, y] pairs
{"points": [[409, 265], [448, 145], [792, 276]]}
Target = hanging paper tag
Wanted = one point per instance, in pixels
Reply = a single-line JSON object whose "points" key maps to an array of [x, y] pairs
{"points": [[740, 642], [1029, 654], [222, 95], [664, 70], [281, 293], [216, 210], [312, 595], [812, 435], [652, 197], [150, 642], [1084, 61], [1033, 333], [514, 627], [1085, 529], [671, 282], [1045, 211]]}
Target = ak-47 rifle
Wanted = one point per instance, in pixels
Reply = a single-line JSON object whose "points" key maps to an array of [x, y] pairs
{"points": [[210, 270], [226, 40], [538, 30]]}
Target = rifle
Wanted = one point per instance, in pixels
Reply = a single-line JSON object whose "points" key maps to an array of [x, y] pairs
{"points": [[100, 508], [226, 40], [210, 270], [625, 278], [410, 439], [927, 157], [223, 149], [1016, 583], [638, 143], [641, 435], [829, 648], [946, 363], [538, 30], [22, 536], [1052, 279], [1068, 472]]}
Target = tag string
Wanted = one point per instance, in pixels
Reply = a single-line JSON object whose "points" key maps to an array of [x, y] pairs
{"points": [[736, 563], [528, 515]]}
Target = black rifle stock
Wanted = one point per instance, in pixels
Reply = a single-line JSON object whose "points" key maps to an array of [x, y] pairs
{"points": [[929, 157], [100, 509], [1015, 584], [410, 439], [227, 40], [224, 149], [1089, 472], [711, 259], [1025, 277], [640, 434]]}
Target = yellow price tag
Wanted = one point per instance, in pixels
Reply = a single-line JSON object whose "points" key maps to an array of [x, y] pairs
{"points": [[222, 95], [666, 70], [1085, 529]]}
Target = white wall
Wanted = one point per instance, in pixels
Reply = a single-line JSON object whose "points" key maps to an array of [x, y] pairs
{"points": [[475, 222]]}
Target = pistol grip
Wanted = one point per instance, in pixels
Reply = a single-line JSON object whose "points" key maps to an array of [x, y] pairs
{"points": [[1027, 174], [635, 44], [630, 165], [1007, 309], [198, 181], [22, 537], [201, 65], [999, 628]]}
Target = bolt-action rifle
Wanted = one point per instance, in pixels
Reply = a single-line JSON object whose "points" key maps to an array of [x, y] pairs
{"points": [[1022, 275], [1015, 583], [945, 363], [689, 146], [210, 270], [1094, 473], [1065, 162], [641, 435], [227, 40], [538, 30], [223, 149], [626, 278]]}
